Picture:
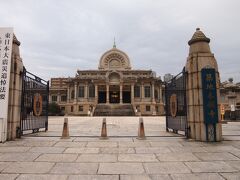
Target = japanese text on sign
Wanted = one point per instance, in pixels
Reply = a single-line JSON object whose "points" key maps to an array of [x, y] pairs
{"points": [[209, 96]]}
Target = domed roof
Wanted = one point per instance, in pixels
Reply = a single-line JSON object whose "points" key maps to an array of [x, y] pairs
{"points": [[114, 59], [198, 36]]}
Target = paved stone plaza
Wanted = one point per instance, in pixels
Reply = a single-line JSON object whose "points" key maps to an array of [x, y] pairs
{"points": [[161, 156]]}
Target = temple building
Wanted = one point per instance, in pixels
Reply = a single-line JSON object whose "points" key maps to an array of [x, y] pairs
{"points": [[112, 89]]}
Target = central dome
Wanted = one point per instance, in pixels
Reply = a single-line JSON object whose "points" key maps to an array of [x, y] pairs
{"points": [[114, 59]]}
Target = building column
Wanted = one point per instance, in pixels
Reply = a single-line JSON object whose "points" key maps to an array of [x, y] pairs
{"points": [[132, 93], [142, 91], [75, 92], [68, 94], [153, 92], [58, 97], [96, 93], [121, 87], [160, 94], [86, 91], [107, 93]]}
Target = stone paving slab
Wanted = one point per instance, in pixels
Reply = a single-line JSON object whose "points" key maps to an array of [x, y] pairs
{"points": [[150, 150], [47, 149], [29, 167], [93, 177], [220, 148], [177, 157], [120, 150], [97, 158], [8, 176], [197, 176], [4, 165], [41, 177], [135, 177], [166, 168], [75, 168], [235, 164], [231, 176], [121, 168], [134, 144], [216, 166], [165, 144], [187, 149], [14, 149], [160, 177], [18, 157], [221, 156], [102, 143], [57, 157], [82, 150], [137, 158], [70, 144]]}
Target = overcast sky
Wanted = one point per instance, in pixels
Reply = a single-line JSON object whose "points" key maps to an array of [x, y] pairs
{"points": [[60, 36]]}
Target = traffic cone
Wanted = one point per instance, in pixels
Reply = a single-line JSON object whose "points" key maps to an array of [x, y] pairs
{"points": [[65, 133], [141, 132], [104, 129]]}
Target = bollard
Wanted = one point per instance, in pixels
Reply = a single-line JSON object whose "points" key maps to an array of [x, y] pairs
{"points": [[141, 132], [104, 129], [65, 133]]}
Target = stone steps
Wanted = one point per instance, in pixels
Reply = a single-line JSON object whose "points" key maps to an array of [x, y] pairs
{"points": [[114, 110]]}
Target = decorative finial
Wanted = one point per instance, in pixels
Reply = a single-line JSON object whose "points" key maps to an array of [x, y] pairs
{"points": [[197, 29], [114, 43]]}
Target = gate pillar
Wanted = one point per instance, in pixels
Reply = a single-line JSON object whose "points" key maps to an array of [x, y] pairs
{"points": [[15, 90], [200, 57]]}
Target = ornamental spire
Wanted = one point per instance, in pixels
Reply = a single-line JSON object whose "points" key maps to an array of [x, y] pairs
{"points": [[114, 43]]}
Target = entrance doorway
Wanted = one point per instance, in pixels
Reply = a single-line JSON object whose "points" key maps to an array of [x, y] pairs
{"points": [[126, 96], [101, 96], [114, 97], [114, 94]]}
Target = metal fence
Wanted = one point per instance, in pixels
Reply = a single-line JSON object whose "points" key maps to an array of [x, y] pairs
{"points": [[34, 103]]}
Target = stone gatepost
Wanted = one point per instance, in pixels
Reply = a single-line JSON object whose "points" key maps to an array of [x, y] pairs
{"points": [[201, 58], [15, 90]]}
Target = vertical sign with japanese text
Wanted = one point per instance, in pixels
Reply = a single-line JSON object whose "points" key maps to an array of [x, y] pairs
{"points": [[209, 91], [6, 39]]}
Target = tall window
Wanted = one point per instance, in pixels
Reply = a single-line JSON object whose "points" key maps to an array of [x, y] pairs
{"points": [[81, 92], [72, 94], [91, 90], [147, 91], [156, 94], [54, 98], [137, 91]]}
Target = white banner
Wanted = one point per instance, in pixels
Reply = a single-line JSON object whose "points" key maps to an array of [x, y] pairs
{"points": [[6, 39]]}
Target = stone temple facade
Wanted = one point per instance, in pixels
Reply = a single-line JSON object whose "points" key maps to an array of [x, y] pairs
{"points": [[114, 85]]}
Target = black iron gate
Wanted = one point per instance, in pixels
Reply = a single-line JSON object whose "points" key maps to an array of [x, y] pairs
{"points": [[34, 107], [176, 109]]}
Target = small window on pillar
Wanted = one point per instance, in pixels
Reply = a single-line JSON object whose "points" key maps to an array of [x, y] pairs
{"points": [[148, 108], [80, 108], [71, 108], [72, 94], [64, 98], [54, 98]]}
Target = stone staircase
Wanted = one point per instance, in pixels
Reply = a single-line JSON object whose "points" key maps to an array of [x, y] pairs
{"points": [[114, 110]]}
